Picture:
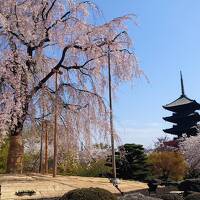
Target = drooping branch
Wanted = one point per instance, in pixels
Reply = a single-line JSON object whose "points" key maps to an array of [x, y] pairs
{"points": [[83, 65], [76, 106], [79, 90], [46, 78], [63, 17]]}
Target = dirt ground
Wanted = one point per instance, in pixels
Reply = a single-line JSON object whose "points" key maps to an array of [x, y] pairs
{"points": [[46, 186]]}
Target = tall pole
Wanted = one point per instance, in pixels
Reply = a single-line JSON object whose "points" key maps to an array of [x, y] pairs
{"points": [[111, 117], [46, 148], [41, 139], [55, 127], [41, 149]]}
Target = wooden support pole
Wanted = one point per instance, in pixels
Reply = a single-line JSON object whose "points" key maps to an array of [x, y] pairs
{"points": [[46, 148], [55, 156], [55, 127], [111, 117], [41, 149]]}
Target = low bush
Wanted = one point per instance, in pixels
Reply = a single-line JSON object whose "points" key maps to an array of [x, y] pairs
{"points": [[137, 196], [171, 197], [69, 165], [30, 162], [190, 185], [3, 155], [95, 169], [88, 194], [193, 173], [195, 196]]}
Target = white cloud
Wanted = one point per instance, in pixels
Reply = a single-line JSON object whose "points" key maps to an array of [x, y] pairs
{"points": [[145, 134]]}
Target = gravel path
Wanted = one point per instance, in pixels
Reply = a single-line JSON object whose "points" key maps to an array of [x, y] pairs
{"points": [[47, 187]]}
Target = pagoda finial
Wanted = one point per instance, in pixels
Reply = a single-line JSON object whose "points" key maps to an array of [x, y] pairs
{"points": [[182, 85]]}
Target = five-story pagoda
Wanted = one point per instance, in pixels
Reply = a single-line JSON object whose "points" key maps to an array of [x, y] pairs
{"points": [[184, 117]]}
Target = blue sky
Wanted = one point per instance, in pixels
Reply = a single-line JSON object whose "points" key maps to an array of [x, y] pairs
{"points": [[166, 40]]}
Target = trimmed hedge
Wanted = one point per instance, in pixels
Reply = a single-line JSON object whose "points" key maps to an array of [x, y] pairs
{"points": [[190, 185], [89, 194], [171, 197], [195, 196]]}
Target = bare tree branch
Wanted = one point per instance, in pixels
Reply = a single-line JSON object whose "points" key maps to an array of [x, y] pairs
{"points": [[50, 8]]}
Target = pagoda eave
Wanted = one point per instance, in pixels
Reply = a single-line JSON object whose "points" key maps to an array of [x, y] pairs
{"points": [[191, 106], [179, 131], [172, 132], [195, 117], [183, 102]]}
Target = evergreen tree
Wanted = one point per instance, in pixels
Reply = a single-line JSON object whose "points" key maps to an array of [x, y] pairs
{"points": [[131, 162]]}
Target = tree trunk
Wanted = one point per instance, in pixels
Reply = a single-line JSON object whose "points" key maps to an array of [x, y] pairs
{"points": [[15, 154]]}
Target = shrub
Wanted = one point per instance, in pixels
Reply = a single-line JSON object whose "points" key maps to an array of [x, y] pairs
{"points": [[195, 196], [69, 164], [3, 155], [193, 173], [30, 162], [88, 194], [190, 185], [95, 169], [168, 164], [171, 197], [136, 196]]}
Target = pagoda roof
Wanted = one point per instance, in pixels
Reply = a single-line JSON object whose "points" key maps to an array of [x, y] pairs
{"points": [[183, 102], [177, 118], [177, 130], [180, 102]]}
